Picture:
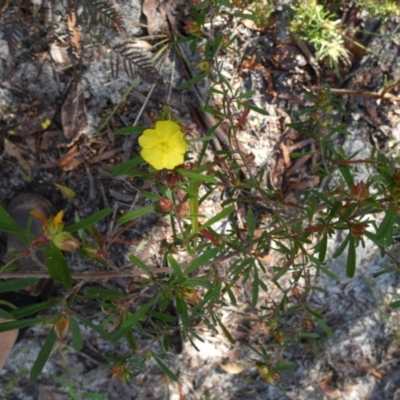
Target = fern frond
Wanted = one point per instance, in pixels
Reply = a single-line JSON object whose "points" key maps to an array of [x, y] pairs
{"points": [[100, 12], [135, 62]]}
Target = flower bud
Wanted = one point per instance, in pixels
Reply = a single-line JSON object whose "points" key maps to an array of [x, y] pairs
{"points": [[357, 229], [183, 209], [119, 371], [173, 180], [190, 295], [62, 327], [65, 241], [396, 195], [360, 191], [192, 27], [165, 205], [203, 66]]}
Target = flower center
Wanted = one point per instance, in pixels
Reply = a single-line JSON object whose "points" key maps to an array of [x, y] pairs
{"points": [[164, 147]]}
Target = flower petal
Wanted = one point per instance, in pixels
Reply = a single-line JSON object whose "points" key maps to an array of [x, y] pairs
{"points": [[153, 156], [171, 159], [149, 138], [178, 143], [167, 128]]}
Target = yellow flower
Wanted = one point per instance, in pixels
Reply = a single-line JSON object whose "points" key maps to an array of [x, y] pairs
{"points": [[164, 146]]}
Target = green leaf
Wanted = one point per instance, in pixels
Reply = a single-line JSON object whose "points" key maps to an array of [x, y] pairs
{"points": [[210, 297], [89, 221], [255, 108], [254, 294], [5, 315], [309, 335], [105, 335], [197, 177], [135, 214], [130, 129], [57, 266], [191, 82], [17, 284], [221, 215], [201, 260], [164, 368], [181, 308], [193, 282], [328, 273], [342, 247], [395, 304], [32, 309], [43, 355], [320, 321], [139, 263], [322, 247], [385, 229], [347, 175], [351, 258], [133, 319], [77, 340], [7, 224], [23, 323], [251, 224], [93, 395], [126, 166], [226, 332], [232, 297], [176, 268]]}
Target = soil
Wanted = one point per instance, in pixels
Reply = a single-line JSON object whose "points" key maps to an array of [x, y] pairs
{"points": [[38, 82]]}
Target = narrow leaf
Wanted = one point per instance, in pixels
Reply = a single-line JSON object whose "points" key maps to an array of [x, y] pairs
{"points": [[57, 266], [395, 304], [89, 221], [126, 166], [23, 323], [77, 340], [130, 129], [165, 369], [226, 332], [351, 258], [32, 309], [197, 177], [139, 263], [43, 355], [250, 224], [135, 214], [95, 327], [341, 248], [221, 215], [7, 224], [17, 284], [176, 268], [201, 260]]}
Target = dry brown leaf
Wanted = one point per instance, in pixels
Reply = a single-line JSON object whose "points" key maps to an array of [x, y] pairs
{"points": [[13, 151], [333, 393], [370, 371], [73, 114], [74, 31], [233, 368], [285, 154], [70, 160]]}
